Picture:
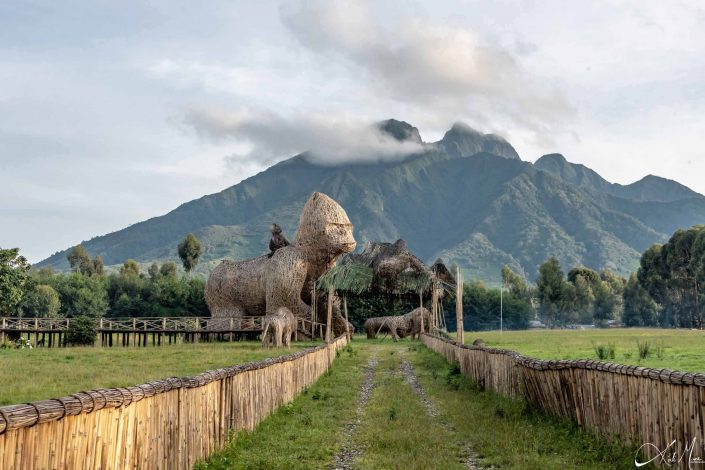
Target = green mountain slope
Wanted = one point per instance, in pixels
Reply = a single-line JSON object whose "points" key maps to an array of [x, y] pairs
{"points": [[457, 199]]}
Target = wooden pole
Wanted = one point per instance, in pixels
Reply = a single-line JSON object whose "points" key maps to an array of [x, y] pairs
{"points": [[460, 331], [433, 308], [329, 318], [313, 311], [347, 324], [421, 306]]}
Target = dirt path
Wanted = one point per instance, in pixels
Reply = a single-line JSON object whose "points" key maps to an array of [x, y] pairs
{"points": [[407, 370], [344, 458]]}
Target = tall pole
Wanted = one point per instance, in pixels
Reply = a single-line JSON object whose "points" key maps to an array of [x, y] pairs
{"points": [[460, 330], [347, 323], [501, 308], [330, 315], [421, 306]]}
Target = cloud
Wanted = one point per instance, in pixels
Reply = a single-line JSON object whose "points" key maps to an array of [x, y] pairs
{"points": [[272, 137], [439, 67]]}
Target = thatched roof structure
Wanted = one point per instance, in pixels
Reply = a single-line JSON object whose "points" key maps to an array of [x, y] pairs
{"points": [[388, 268]]}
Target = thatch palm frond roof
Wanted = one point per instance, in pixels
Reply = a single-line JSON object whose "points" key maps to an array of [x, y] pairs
{"points": [[384, 268]]}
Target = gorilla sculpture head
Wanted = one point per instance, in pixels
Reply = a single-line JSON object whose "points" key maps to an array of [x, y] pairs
{"points": [[324, 227]]}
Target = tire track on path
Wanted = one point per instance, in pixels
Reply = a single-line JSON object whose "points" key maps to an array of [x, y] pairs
{"points": [[407, 370], [344, 458]]}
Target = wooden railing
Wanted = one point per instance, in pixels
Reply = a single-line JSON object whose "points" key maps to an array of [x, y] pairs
{"points": [[138, 330]]}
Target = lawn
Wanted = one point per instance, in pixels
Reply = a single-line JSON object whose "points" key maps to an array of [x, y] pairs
{"points": [[670, 348], [41, 373]]}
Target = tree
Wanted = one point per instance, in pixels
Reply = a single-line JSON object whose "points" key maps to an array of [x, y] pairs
{"points": [[82, 331], [515, 283], [588, 274], [14, 280], [130, 268], [81, 295], [168, 269], [127, 295], [153, 271], [554, 293], [605, 302], [639, 308], [80, 260], [584, 298], [42, 301], [98, 266], [189, 252], [674, 274], [482, 307]]}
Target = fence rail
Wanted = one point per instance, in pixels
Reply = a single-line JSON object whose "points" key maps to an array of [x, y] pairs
{"points": [[166, 424], [138, 331], [637, 405]]}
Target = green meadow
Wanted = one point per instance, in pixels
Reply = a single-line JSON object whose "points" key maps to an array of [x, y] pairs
{"points": [[677, 349], [42, 373]]}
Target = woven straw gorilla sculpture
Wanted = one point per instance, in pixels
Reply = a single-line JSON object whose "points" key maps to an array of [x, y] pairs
{"points": [[278, 328], [261, 285]]}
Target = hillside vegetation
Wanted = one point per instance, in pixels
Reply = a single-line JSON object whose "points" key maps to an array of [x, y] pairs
{"points": [[467, 198]]}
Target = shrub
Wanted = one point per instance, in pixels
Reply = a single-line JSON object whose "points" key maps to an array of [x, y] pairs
{"points": [[659, 349], [604, 351], [453, 376], [645, 349], [82, 331], [392, 414]]}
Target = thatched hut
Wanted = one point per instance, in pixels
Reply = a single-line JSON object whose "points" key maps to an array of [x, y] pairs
{"points": [[390, 269]]}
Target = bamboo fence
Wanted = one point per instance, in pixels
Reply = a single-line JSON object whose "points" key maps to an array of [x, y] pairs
{"points": [[637, 405], [166, 424]]}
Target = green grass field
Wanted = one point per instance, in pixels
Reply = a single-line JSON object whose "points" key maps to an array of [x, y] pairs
{"points": [[41, 373], [672, 349]]}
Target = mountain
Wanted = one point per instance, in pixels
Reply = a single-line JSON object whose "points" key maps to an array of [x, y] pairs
{"points": [[463, 141], [649, 188], [467, 198]]}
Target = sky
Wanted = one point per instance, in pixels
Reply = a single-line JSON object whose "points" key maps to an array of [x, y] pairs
{"points": [[112, 112]]}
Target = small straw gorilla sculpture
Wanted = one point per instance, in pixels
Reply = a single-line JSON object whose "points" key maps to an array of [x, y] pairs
{"points": [[261, 285], [278, 240], [399, 326], [278, 328]]}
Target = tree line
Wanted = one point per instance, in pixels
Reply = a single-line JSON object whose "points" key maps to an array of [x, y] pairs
{"points": [[666, 291], [89, 291]]}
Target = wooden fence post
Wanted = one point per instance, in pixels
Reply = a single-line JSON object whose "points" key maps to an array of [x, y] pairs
{"points": [[460, 331], [434, 307], [2, 331], [347, 323], [313, 310], [421, 306], [329, 317]]}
